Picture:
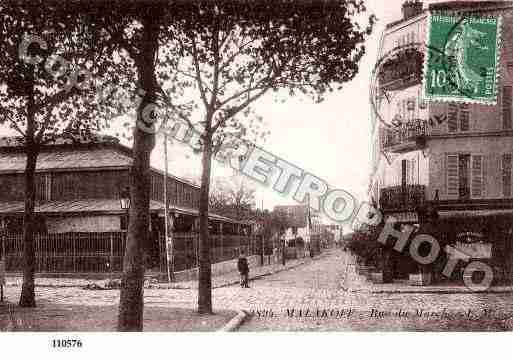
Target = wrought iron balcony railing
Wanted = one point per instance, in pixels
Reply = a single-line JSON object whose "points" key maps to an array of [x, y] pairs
{"points": [[402, 69], [408, 134], [402, 198]]}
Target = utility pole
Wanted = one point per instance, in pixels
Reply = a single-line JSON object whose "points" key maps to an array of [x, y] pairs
{"points": [[283, 251], [169, 239], [2, 259], [262, 232]]}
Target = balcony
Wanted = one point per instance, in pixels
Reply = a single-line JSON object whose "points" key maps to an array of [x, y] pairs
{"points": [[401, 69], [402, 198], [405, 137]]}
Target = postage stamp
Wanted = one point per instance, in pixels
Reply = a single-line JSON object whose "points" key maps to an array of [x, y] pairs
{"points": [[462, 60]]}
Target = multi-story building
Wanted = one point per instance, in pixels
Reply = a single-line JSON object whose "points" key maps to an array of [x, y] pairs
{"points": [[455, 158]]}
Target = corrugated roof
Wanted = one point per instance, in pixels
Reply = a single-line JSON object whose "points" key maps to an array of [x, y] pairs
{"points": [[66, 159], [94, 138], [97, 206], [104, 153]]}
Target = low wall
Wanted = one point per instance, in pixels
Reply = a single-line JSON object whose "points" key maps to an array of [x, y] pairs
{"points": [[217, 268]]}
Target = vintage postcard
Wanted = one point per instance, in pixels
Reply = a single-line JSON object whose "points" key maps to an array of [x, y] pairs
{"points": [[255, 166]]}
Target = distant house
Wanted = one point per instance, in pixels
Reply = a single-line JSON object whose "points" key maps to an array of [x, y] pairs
{"points": [[303, 224], [78, 191]]}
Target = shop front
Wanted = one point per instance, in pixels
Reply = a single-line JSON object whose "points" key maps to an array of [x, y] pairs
{"points": [[484, 236], [475, 237]]}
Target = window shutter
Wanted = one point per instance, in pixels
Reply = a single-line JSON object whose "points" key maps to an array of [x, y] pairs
{"points": [[452, 117], [412, 172], [506, 107], [408, 172], [452, 175], [48, 184], [506, 175], [464, 117], [477, 176]]}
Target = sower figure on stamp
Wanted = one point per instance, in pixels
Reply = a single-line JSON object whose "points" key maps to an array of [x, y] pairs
{"points": [[243, 267]]}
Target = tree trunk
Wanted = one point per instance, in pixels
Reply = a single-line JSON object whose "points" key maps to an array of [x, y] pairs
{"points": [[28, 297], [131, 303], [205, 270]]}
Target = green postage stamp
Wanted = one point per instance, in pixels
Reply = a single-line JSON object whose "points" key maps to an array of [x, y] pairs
{"points": [[462, 60]]}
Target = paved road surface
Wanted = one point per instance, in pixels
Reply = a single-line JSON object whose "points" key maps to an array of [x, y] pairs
{"points": [[317, 290]]}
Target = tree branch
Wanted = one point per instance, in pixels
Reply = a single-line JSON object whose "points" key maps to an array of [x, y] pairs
{"points": [[57, 98], [169, 103], [215, 87], [16, 127], [199, 80], [228, 61], [118, 37], [235, 110]]}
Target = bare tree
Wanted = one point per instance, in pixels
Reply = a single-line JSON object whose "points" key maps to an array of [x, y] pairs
{"points": [[233, 197]]}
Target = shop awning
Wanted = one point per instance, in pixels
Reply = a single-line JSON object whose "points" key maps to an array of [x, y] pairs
{"points": [[97, 207], [475, 213]]}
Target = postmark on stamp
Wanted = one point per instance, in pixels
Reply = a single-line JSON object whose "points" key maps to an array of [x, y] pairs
{"points": [[462, 62]]}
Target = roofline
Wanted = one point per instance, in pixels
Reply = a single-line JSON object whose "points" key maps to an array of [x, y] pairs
{"points": [[175, 177], [122, 212], [404, 21], [117, 146], [181, 210], [20, 148], [70, 169]]}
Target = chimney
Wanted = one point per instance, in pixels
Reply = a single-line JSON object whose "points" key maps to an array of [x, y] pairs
{"points": [[411, 8]]}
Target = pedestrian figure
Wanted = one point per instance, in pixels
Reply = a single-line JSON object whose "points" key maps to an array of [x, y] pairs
{"points": [[243, 267]]}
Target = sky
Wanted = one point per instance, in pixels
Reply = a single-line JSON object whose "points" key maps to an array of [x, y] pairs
{"points": [[330, 140]]}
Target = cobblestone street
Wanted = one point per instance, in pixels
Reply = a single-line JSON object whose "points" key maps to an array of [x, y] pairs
{"points": [[314, 296]]}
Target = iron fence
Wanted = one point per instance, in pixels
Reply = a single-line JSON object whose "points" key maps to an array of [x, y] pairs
{"points": [[103, 252]]}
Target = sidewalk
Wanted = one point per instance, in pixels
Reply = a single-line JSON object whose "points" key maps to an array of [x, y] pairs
{"points": [[255, 273], [355, 283], [219, 281]]}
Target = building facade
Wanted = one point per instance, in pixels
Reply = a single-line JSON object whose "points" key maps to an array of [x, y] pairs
{"points": [[79, 213], [304, 227], [455, 158]]}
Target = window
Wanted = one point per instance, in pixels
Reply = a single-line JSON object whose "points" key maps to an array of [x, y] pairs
{"points": [[188, 197], [404, 172], [408, 172], [123, 223], [464, 176], [43, 186], [411, 37], [452, 176], [477, 176], [506, 107], [458, 117], [506, 175], [413, 172], [464, 117]]}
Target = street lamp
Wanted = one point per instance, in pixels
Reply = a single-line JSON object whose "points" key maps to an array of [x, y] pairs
{"points": [[124, 199]]}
